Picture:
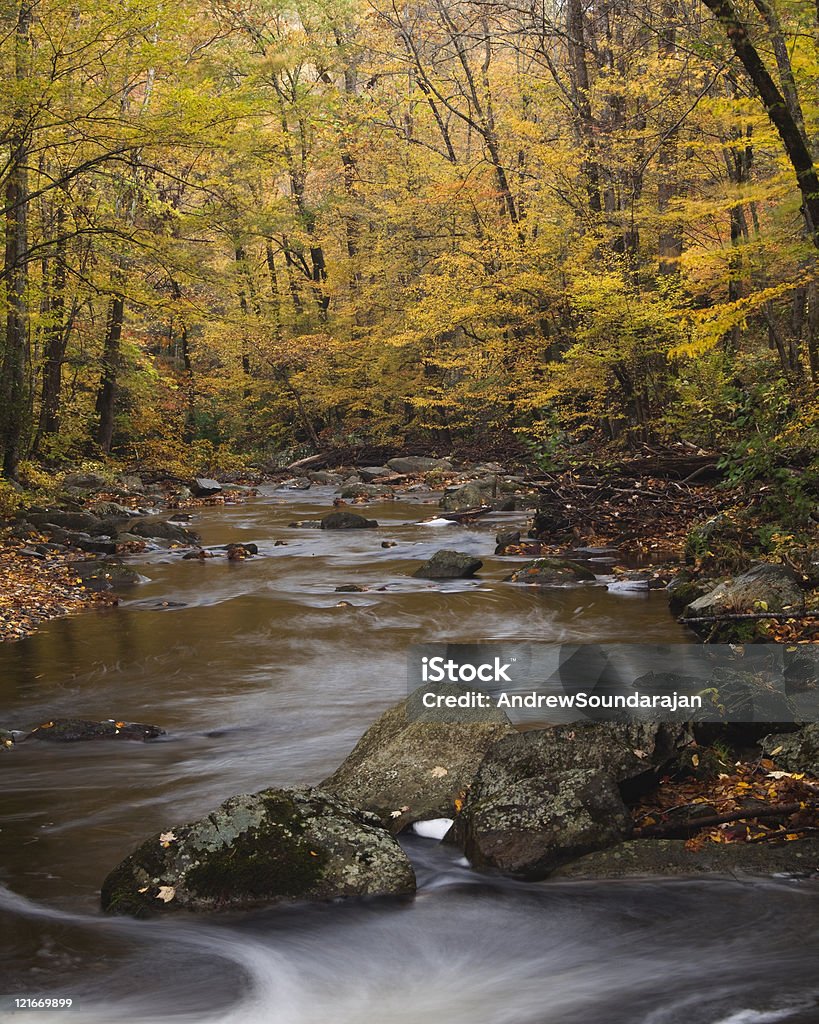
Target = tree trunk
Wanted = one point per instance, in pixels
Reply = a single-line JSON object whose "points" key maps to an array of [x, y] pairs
{"points": [[13, 398], [778, 111], [107, 394]]}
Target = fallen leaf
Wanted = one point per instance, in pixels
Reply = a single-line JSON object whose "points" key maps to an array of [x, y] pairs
{"points": [[166, 893], [438, 772], [166, 838]]}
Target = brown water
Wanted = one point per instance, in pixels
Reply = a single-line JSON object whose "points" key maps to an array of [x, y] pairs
{"points": [[260, 678]]}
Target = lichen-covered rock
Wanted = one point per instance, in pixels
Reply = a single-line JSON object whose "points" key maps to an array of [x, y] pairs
{"points": [[254, 850], [546, 572], [448, 565], [766, 587], [163, 529], [537, 824], [795, 751], [347, 521], [415, 763], [545, 796], [471, 495], [73, 730]]}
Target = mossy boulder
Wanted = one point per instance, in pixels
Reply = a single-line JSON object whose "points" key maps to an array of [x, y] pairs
{"points": [[99, 574], [271, 847], [549, 572], [415, 763]]}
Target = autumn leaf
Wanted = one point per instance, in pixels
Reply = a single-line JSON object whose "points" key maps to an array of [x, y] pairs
{"points": [[166, 893], [438, 772]]}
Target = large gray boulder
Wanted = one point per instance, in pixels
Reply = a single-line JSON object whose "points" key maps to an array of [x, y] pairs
{"points": [[370, 473], [448, 565], [347, 521], [204, 486], [86, 481], [414, 464], [162, 529], [415, 763], [471, 495], [764, 588], [275, 846], [545, 796], [539, 823]]}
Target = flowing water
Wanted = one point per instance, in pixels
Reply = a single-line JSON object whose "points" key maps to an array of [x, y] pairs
{"points": [[261, 677]]}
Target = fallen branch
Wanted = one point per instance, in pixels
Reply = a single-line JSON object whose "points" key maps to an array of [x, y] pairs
{"points": [[681, 829], [741, 616]]}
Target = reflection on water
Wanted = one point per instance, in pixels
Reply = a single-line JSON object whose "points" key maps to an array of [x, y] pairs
{"points": [[260, 678]]}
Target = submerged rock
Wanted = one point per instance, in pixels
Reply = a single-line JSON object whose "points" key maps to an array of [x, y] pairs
{"points": [[551, 571], [448, 565], [270, 847], [415, 763], [73, 730], [347, 521], [104, 574]]}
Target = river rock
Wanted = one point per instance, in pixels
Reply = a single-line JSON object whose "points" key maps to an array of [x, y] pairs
{"points": [[99, 574], [296, 483], [86, 481], [130, 483], [7, 739], [542, 797], [412, 465], [795, 751], [765, 587], [163, 529], [471, 495], [347, 521], [537, 824], [551, 571], [362, 491], [414, 763], [369, 473], [72, 730], [204, 486], [85, 522], [321, 476], [448, 565], [506, 539], [641, 857], [255, 850]]}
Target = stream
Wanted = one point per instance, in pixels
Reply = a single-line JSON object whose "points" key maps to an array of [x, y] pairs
{"points": [[263, 675]]}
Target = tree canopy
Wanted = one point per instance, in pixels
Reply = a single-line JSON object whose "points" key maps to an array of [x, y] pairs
{"points": [[264, 227]]}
